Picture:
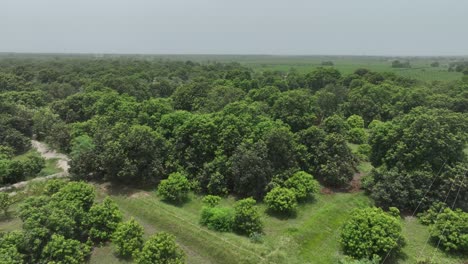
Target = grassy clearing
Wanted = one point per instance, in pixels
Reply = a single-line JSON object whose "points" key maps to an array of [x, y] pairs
{"points": [[421, 68]]}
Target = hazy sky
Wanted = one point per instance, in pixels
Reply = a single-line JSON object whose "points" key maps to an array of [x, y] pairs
{"points": [[335, 27]]}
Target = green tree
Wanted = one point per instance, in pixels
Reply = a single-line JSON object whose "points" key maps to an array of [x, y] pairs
{"points": [[251, 170], [450, 230], [5, 202], [246, 217], [160, 248], [281, 200], [370, 232], [64, 251], [128, 238], [303, 184], [175, 188], [103, 220]]}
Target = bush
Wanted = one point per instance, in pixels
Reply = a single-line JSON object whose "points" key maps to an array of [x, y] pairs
{"points": [[5, 202], [364, 151], [217, 218], [429, 217], [451, 230], [128, 238], [62, 250], [246, 217], [175, 188], [281, 200], [103, 220], [77, 192], [303, 185], [370, 232], [211, 200], [53, 186], [162, 249]]}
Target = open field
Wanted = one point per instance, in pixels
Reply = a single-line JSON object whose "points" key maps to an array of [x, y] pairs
{"points": [[421, 68]]}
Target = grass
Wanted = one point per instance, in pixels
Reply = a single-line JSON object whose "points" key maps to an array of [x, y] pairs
{"points": [[421, 68]]}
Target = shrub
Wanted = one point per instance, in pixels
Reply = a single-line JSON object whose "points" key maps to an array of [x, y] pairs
{"points": [[217, 218], [281, 200], [364, 151], [103, 220], [429, 217], [162, 249], [53, 186], [370, 232], [61, 250], [175, 188], [246, 217], [211, 200], [77, 192], [451, 230], [303, 185], [5, 202], [128, 238]]}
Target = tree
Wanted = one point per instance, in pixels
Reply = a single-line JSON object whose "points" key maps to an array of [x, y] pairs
{"points": [[303, 185], [335, 124], [64, 251], [246, 217], [136, 154], [355, 121], [450, 230], [81, 193], [128, 238], [5, 202], [321, 77], [9, 255], [370, 232], [251, 170], [175, 188], [295, 108], [103, 220], [281, 200], [160, 248]]}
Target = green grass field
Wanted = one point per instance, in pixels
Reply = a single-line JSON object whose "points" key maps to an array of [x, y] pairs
{"points": [[420, 69]]}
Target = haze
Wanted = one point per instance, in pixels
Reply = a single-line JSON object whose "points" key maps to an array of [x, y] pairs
{"points": [[313, 27]]}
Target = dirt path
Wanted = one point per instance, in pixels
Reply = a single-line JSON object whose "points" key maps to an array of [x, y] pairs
{"points": [[46, 153]]}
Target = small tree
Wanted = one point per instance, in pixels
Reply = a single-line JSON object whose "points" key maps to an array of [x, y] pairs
{"points": [[53, 186], [246, 217], [370, 232], [128, 238], [303, 185], [211, 200], [77, 192], [5, 202], [175, 188], [162, 249], [357, 136], [60, 250], [281, 200], [450, 229], [355, 121], [217, 218], [103, 220]]}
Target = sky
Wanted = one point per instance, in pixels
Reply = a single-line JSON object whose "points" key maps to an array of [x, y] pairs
{"points": [[286, 27]]}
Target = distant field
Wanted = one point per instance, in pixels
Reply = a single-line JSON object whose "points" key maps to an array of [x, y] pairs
{"points": [[421, 68]]}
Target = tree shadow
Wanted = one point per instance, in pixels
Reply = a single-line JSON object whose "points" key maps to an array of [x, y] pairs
{"points": [[6, 217], [282, 215], [178, 203]]}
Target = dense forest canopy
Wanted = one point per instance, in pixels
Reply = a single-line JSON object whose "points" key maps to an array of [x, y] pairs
{"points": [[225, 129]]}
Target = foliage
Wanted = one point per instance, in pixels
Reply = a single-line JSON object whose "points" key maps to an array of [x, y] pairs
{"points": [[355, 121], [160, 248], [211, 200], [303, 184], [246, 217], [450, 230], [175, 188], [53, 186], [217, 218], [357, 136], [64, 251], [103, 220], [281, 200], [5, 202], [128, 238], [371, 232]]}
